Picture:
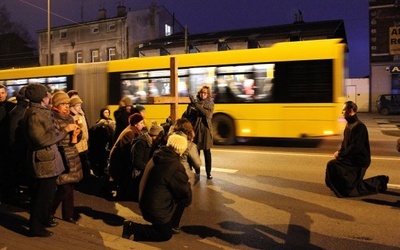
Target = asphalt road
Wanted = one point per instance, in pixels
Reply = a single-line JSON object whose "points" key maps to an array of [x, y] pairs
{"points": [[264, 195], [271, 195]]}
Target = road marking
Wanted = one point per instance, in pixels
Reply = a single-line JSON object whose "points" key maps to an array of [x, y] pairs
{"points": [[393, 186], [298, 154], [225, 170]]}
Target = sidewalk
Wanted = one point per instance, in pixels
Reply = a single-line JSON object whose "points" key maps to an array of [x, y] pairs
{"points": [[380, 128], [14, 234]]}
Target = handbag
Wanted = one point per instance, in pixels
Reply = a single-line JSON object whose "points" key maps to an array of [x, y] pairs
{"points": [[65, 160], [190, 114]]}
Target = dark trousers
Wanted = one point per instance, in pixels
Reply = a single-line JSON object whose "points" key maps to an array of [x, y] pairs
{"points": [[178, 212], [207, 159], [42, 191], [346, 180], [84, 157], [64, 195], [157, 233]]}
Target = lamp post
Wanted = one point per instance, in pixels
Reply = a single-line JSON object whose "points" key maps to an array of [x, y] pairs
{"points": [[48, 34]]}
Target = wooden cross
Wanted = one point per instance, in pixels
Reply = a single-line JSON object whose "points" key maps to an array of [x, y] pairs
{"points": [[173, 97]]}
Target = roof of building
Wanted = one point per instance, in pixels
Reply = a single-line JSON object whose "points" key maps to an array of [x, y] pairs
{"points": [[296, 31]]}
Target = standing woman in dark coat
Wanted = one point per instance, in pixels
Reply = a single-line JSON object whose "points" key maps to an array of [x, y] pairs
{"points": [[43, 158], [203, 126], [65, 181], [101, 140]]}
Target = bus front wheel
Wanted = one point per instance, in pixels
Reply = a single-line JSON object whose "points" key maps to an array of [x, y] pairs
{"points": [[223, 130]]}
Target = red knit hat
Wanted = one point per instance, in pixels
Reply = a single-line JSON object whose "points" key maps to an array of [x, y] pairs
{"points": [[135, 119]]}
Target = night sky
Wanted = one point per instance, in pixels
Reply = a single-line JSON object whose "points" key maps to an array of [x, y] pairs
{"points": [[203, 16]]}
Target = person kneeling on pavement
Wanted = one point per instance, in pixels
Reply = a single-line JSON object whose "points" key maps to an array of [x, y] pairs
{"points": [[344, 174], [163, 185]]}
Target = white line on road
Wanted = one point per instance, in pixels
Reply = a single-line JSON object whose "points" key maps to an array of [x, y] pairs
{"points": [[393, 186], [298, 154], [225, 170]]}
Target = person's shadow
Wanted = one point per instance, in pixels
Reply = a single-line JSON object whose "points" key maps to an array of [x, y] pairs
{"points": [[14, 222], [108, 218], [253, 236]]}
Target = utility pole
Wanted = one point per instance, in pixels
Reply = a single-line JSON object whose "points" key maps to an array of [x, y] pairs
{"points": [[48, 34]]}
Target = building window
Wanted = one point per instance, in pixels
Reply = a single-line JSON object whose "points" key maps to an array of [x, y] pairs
{"points": [[94, 29], [45, 36], [111, 26], [168, 30], [64, 58], [111, 54], [79, 57], [95, 55], [63, 34]]}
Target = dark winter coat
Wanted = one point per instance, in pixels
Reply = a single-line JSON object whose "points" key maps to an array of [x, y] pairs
{"points": [[141, 151], [5, 108], [355, 145], [203, 124], [120, 167], [165, 182], [16, 115], [42, 136], [75, 173], [121, 116]]}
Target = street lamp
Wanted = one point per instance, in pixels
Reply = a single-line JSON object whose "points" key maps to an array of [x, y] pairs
{"points": [[48, 34]]}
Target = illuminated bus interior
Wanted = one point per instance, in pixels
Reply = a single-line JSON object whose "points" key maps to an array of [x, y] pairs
{"points": [[282, 82]]}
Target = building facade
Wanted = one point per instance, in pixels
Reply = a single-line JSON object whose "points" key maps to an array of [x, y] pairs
{"points": [[384, 19], [106, 38]]}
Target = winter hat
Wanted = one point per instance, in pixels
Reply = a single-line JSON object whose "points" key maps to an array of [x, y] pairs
{"points": [[75, 100], [72, 93], [139, 107], [127, 100], [35, 92], [21, 94], [59, 97], [155, 129], [178, 143], [135, 119]]}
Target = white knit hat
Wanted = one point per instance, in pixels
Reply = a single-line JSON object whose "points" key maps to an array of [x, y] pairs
{"points": [[178, 143]]}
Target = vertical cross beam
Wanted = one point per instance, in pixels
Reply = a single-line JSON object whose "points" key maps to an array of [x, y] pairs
{"points": [[174, 88]]}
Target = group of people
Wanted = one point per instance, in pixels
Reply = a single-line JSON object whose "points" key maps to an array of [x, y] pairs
{"points": [[61, 150], [45, 134], [156, 165]]}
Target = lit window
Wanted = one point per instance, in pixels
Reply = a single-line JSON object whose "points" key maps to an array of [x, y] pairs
{"points": [[111, 54], [168, 30], [79, 57], [95, 56]]}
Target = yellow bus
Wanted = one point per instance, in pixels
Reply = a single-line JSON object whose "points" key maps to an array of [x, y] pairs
{"points": [[289, 90]]}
